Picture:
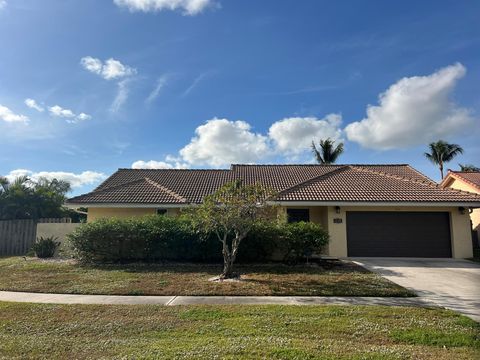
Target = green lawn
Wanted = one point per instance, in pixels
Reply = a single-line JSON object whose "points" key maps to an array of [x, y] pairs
{"points": [[334, 278], [36, 331]]}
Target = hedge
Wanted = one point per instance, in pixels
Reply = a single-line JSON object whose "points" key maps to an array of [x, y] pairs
{"points": [[163, 238]]}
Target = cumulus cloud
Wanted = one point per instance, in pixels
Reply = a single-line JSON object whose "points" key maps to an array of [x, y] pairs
{"points": [[8, 115], [220, 142], [294, 135], [413, 111], [188, 7], [76, 180], [109, 70], [32, 104], [153, 164], [68, 114], [58, 111]]}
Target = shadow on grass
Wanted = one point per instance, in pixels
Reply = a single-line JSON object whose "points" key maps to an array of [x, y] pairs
{"points": [[321, 267]]}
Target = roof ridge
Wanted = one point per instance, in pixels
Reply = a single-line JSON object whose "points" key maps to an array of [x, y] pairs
{"points": [[95, 191], [165, 189], [315, 178], [326, 165], [130, 169], [426, 183], [398, 177]]}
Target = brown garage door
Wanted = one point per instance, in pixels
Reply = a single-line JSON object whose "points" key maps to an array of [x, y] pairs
{"points": [[402, 234]]}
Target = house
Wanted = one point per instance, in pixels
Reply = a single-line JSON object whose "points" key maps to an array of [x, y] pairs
{"points": [[466, 181], [369, 210]]}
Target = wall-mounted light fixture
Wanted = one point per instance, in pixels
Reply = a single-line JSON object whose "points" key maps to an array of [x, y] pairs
{"points": [[462, 210], [337, 209]]}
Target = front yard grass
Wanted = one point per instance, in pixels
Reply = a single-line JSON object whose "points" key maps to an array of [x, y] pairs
{"points": [[332, 278], [40, 331]]}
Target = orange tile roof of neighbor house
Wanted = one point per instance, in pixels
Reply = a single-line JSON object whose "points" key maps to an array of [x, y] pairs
{"points": [[470, 177], [294, 183]]}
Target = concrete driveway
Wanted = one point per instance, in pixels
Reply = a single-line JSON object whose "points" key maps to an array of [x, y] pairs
{"points": [[450, 283]]}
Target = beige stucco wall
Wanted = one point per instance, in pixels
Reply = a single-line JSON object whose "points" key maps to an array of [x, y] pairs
{"points": [[459, 227], [122, 213], [57, 230], [475, 215], [98, 213]]}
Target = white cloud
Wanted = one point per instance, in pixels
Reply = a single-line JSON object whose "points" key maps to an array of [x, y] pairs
{"points": [[32, 104], [161, 82], [188, 7], [68, 114], [82, 117], [76, 180], [195, 82], [221, 142], [9, 116], [3, 4], [122, 95], [110, 69], [58, 111], [413, 111], [294, 135], [153, 164]]}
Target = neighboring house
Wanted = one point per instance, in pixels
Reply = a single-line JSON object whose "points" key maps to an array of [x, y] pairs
{"points": [[369, 210], [465, 181]]}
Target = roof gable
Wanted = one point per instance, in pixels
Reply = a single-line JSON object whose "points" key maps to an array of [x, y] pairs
{"points": [[471, 178]]}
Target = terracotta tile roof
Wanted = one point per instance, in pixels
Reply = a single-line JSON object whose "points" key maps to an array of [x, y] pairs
{"points": [[141, 191], [363, 184], [470, 177], [347, 183]]}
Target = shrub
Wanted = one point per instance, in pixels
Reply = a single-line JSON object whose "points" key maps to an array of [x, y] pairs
{"points": [[45, 247], [163, 238], [302, 239]]}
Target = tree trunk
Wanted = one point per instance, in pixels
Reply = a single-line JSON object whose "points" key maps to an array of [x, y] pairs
{"points": [[229, 257], [441, 170]]}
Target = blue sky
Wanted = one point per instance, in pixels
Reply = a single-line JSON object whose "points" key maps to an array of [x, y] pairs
{"points": [[90, 86]]}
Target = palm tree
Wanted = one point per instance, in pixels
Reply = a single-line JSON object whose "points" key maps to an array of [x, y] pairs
{"points": [[469, 168], [328, 152], [442, 152]]}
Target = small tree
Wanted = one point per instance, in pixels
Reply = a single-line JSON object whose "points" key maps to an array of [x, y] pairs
{"points": [[230, 213]]}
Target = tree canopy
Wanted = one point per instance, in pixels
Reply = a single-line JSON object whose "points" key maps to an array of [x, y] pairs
{"points": [[24, 198], [441, 152], [328, 152]]}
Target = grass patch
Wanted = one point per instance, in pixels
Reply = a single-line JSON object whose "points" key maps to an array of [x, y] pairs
{"points": [[41, 331], [332, 278]]}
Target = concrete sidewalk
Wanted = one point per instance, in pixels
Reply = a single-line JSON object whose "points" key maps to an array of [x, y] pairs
{"points": [[206, 300]]}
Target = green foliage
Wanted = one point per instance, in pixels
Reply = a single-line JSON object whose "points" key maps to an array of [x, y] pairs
{"points": [[45, 247], [469, 168], [442, 152], [163, 238], [27, 199], [231, 213], [302, 239], [328, 152]]}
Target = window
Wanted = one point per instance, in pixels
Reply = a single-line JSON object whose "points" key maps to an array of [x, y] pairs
{"points": [[161, 211], [297, 215]]}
